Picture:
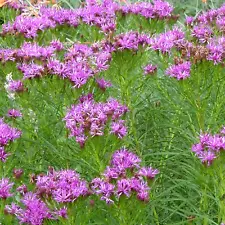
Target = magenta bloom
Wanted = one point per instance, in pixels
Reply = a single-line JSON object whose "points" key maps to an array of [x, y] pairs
{"points": [[180, 71], [14, 113], [123, 159], [17, 173], [31, 70], [148, 172], [103, 84], [22, 189], [119, 129], [189, 20], [202, 32], [5, 188], [8, 133], [209, 146], [3, 154], [124, 177], [150, 69], [123, 187], [166, 41], [90, 117], [61, 212], [34, 212], [15, 86], [63, 186]]}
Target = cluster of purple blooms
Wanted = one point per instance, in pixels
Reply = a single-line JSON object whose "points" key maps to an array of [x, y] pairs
{"points": [[202, 33], [180, 71], [166, 41], [81, 62], [34, 211], [90, 118], [125, 177], [101, 14], [63, 186], [7, 134], [158, 9], [209, 147], [216, 50], [130, 40]]}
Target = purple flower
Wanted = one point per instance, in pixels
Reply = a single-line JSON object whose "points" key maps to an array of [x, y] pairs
{"points": [[35, 211], [12, 209], [126, 177], [207, 150], [202, 32], [111, 173], [166, 41], [207, 157], [22, 189], [216, 51], [15, 86], [150, 69], [89, 117], [189, 20], [8, 133], [17, 173], [148, 172], [31, 70], [122, 160], [119, 129], [63, 186], [5, 188], [103, 84], [123, 187], [180, 71], [14, 113], [128, 40], [57, 45], [62, 212], [3, 154]]}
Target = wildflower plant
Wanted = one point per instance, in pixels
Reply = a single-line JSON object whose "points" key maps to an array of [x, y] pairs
{"points": [[78, 83]]}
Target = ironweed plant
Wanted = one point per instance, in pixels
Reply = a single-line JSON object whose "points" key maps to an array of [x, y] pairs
{"points": [[111, 113]]}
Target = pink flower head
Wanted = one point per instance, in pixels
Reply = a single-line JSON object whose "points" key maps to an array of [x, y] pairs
{"points": [[3, 154], [15, 86], [148, 172], [150, 69], [14, 113], [5, 188], [103, 84], [180, 71]]}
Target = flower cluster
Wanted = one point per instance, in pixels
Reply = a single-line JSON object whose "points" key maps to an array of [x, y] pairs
{"points": [[157, 9], [34, 210], [90, 118], [101, 14], [63, 186], [180, 71], [7, 134], [130, 40], [166, 41], [124, 177], [30, 51], [209, 147]]}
